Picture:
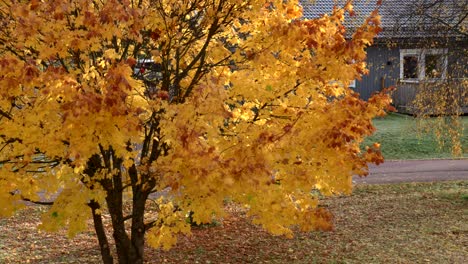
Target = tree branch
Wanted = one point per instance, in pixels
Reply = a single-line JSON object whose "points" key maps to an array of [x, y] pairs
{"points": [[31, 201], [5, 114]]}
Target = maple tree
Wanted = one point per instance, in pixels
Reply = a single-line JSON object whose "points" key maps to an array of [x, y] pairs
{"points": [[241, 99]]}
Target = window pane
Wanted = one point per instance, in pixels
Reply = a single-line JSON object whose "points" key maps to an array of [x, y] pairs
{"points": [[434, 65], [410, 66]]}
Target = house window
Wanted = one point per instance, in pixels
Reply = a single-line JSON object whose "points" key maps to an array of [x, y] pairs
{"points": [[410, 66], [422, 64], [434, 65]]}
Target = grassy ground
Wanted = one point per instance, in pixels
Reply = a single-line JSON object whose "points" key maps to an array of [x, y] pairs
{"points": [[401, 223], [400, 139]]}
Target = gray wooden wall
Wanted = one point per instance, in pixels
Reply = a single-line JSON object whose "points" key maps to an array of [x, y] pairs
{"points": [[384, 70]]}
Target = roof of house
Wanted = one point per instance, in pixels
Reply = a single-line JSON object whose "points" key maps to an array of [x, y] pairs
{"points": [[402, 18]]}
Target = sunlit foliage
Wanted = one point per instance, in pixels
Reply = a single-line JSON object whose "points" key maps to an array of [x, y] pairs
{"points": [[242, 100]]}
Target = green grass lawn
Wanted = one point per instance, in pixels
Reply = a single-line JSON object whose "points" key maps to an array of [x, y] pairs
{"points": [[399, 138]]}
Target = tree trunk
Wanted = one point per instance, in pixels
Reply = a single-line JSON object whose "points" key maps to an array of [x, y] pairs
{"points": [[122, 241], [101, 234], [129, 251], [138, 224]]}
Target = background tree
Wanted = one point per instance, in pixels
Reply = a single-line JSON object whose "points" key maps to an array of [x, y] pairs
{"points": [[440, 24], [249, 103]]}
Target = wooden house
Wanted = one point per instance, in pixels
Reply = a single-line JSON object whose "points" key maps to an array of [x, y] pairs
{"points": [[423, 47]]}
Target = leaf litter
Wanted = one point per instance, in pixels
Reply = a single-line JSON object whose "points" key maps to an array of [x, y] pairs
{"points": [[397, 223]]}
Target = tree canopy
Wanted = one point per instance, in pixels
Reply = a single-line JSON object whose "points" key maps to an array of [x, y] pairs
{"points": [[242, 99]]}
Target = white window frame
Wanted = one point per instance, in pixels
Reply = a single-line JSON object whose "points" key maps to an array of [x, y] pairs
{"points": [[421, 54]]}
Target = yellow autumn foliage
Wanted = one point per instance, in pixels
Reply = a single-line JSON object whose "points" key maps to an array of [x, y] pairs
{"points": [[239, 99]]}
